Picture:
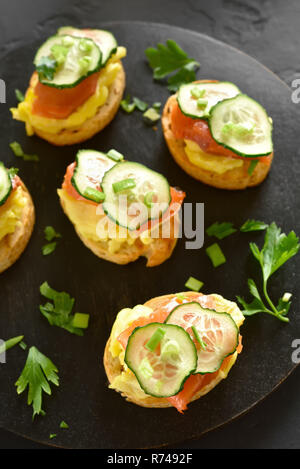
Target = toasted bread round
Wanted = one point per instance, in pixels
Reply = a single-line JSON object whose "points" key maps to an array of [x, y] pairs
{"points": [[113, 367], [92, 126], [12, 245], [156, 253], [237, 178]]}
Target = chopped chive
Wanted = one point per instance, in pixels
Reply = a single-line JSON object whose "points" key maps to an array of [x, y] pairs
{"points": [[148, 199], [155, 339], [198, 338], [252, 167], [202, 103], [52, 435], [220, 230], [126, 105], [115, 155], [10, 343], [19, 95], [194, 284], [63, 424], [170, 350], [13, 172], [23, 345], [141, 105], [216, 255], [151, 116], [156, 106], [253, 225], [180, 296], [286, 297], [81, 320], [16, 148], [93, 194], [197, 93], [146, 368], [49, 248], [123, 185]]}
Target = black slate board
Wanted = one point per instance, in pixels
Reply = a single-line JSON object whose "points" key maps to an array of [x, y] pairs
{"points": [[97, 416]]}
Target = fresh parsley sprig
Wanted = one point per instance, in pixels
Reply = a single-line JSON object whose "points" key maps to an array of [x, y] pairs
{"points": [[37, 374], [169, 58], [278, 248], [58, 313]]}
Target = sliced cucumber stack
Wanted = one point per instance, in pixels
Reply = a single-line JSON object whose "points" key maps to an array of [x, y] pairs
{"points": [[63, 61], [196, 99], [134, 194], [104, 39], [5, 184], [90, 168], [162, 357], [242, 125], [216, 335]]}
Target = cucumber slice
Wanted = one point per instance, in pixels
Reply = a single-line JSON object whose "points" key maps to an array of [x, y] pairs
{"points": [[127, 187], [104, 39], [242, 125], [216, 335], [63, 61], [163, 371], [196, 99], [90, 168], [5, 184]]}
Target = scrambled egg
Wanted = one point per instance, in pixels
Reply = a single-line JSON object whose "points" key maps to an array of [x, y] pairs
{"points": [[87, 110], [126, 382], [11, 212], [215, 163], [93, 224]]}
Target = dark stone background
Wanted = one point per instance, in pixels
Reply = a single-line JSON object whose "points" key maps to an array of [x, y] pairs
{"points": [[266, 29]]}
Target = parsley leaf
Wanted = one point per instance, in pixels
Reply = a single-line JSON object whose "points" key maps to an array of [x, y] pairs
{"points": [[49, 248], [220, 230], [63, 424], [50, 233], [37, 373], [278, 248], [58, 313], [253, 225], [46, 68], [169, 58]]}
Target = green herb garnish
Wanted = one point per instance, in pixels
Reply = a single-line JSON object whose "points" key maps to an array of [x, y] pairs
{"points": [[155, 339], [18, 151], [22, 345], [13, 172], [58, 313], [46, 68], [123, 185], [126, 105], [220, 230], [63, 424], [198, 338], [49, 248], [253, 225], [194, 284], [19, 95], [94, 194], [140, 105], [278, 248], [216, 255], [51, 234], [151, 116], [81, 320], [252, 167], [169, 58], [115, 155], [38, 373], [52, 435], [10, 343]]}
